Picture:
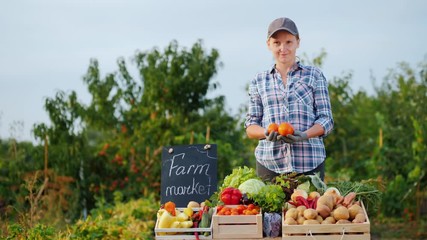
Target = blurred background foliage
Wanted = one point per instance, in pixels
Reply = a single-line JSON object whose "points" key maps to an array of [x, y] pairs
{"points": [[91, 159]]}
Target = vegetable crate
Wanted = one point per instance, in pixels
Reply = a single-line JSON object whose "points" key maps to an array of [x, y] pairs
{"points": [[183, 233], [237, 226], [351, 231]]}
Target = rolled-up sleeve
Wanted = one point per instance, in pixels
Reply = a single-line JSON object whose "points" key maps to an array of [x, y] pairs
{"points": [[255, 108], [323, 106]]}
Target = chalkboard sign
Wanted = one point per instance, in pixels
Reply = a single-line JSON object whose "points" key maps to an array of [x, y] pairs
{"points": [[189, 173]]}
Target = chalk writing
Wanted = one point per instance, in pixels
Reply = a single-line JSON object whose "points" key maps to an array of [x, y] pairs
{"points": [[183, 169]]}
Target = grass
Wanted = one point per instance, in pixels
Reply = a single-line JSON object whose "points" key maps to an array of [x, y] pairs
{"points": [[399, 229]]}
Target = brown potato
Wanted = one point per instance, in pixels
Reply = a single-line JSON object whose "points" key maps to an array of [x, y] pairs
{"points": [[313, 195], [323, 210], [290, 221], [291, 213], [343, 221], [301, 210], [310, 213], [360, 218], [329, 220], [300, 220], [327, 200], [354, 210], [319, 219], [310, 221], [341, 213]]}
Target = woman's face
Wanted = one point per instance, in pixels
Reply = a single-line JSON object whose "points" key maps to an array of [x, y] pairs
{"points": [[284, 46]]}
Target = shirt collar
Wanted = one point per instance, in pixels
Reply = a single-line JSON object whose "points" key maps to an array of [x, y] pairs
{"points": [[297, 65]]}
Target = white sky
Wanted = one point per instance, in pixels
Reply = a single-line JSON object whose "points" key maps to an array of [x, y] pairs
{"points": [[46, 45]]}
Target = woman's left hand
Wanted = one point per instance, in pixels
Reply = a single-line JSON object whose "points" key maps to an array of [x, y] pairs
{"points": [[298, 136]]}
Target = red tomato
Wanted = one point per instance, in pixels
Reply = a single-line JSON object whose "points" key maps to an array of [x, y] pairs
{"points": [[285, 129], [273, 127], [219, 208], [251, 206], [240, 209]]}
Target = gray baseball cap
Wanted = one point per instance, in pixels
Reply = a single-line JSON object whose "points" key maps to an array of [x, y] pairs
{"points": [[282, 24]]}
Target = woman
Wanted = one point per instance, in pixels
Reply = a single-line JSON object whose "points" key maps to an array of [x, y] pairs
{"points": [[288, 92]]}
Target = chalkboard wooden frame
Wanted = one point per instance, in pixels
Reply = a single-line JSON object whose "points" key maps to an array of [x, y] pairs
{"points": [[189, 173]]}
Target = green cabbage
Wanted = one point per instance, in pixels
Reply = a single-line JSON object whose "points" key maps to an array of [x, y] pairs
{"points": [[251, 186]]}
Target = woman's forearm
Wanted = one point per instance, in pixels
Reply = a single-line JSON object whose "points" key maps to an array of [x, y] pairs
{"points": [[255, 132]]}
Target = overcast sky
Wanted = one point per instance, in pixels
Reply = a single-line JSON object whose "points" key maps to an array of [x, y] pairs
{"points": [[46, 45]]}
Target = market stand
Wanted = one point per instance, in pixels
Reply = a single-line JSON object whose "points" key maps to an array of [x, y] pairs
{"points": [[189, 173]]}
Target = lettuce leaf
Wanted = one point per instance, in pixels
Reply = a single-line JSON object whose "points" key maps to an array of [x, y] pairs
{"points": [[238, 176]]}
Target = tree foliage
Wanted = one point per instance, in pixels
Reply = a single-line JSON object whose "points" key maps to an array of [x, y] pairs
{"points": [[114, 142]]}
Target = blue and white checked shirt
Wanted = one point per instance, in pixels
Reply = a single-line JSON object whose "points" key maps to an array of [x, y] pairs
{"points": [[303, 102]]}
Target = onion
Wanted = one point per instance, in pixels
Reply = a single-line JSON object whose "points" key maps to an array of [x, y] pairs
{"points": [[299, 192]]}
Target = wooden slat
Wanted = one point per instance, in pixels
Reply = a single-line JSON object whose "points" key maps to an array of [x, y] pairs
{"points": [[237, 227]]}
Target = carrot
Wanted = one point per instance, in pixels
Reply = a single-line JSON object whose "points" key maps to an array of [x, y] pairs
{"points": [[170, 207], [349, 198]]}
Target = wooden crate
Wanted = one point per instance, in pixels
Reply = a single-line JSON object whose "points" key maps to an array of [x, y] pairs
{"points": [[351, 231], [237, 226], [182, 233]]}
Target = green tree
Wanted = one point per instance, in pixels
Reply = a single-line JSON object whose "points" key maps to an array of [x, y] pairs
{"points": [[114, 142]]}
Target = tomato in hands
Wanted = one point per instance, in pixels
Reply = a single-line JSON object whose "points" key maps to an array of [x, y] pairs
{"points": [[273, 127], [285, 129]]}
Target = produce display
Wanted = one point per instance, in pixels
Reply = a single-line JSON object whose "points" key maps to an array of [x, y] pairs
{"points": [[289, 200], [330, 208], [193, 216]]}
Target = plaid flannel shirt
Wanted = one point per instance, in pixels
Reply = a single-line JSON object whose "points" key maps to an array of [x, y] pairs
{"points": [[303, 102]]}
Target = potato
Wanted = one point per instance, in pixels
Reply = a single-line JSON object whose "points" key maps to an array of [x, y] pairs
{"points": [[323, 210], [334, 192], [310, 213], [332, 213], [354, 210], [329, 220], [313, 195], [319, 219], [343, 221], [310, 221], [291, 213], [341, 213], [301, 210], [298, 192], [290, 221], [359, 218], [327, 200], [300, 220]]}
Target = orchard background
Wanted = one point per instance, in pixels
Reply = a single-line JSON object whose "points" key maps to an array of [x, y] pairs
{"points": [[94, 170]]}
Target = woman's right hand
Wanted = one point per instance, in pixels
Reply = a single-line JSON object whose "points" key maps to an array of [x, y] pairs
{"points": [[271, 136]]}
